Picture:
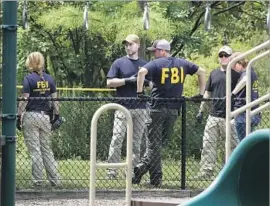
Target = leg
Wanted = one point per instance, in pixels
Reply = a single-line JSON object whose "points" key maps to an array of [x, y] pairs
{"points": [[208, 156], [240, 129], [167, 129], [119, 131], [139, 117], [47, 153], [152, 157], [234, 137], [255, 121], [31, 138]]}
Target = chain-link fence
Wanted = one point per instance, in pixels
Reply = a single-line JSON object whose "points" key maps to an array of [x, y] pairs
{"points": [[68, 165]]}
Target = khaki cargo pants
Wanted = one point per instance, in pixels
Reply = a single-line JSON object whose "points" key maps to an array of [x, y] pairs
{"points": [[214, 130], [37, 133], [119, 133]]}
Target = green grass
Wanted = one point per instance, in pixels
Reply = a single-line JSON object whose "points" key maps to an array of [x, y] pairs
{"points": [[75, 175]]}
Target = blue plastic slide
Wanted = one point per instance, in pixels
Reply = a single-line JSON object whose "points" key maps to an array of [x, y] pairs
{"points": [[244, 180]]}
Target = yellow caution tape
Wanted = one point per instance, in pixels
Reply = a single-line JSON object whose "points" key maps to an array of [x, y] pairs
{"points": [[79, 89]]}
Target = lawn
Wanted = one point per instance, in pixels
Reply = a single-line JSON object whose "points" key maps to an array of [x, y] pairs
{"points": [[75, 175]]}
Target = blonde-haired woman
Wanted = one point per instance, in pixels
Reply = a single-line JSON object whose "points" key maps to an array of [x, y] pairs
{"points": [[36, 125], [240, 92]]}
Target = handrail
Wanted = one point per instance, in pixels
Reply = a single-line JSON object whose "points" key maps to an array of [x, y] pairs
{"points": [[252, 104], [228, 92], [94, 164], [257, 110], [248, 87]]}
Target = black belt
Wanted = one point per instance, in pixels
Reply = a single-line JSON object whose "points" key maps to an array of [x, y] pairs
{"points": [[41, 112]]}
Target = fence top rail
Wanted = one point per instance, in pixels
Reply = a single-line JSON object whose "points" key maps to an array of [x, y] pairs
{"points": [[181, 99]]}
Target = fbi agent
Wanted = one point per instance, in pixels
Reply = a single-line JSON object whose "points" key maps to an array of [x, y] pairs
{"points": [[168, 75], [122, 76], [36, 125]]}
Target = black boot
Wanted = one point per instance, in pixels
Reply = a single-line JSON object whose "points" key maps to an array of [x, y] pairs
{"points": [[156, 180], [139, 171]]}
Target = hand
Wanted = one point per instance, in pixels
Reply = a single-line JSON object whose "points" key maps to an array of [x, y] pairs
{"points": [[19, 123], [233, 97], [146, 82], [142, 95], [199, 117], [131, 80], [56, 117], [57, 122], [197, 97]]}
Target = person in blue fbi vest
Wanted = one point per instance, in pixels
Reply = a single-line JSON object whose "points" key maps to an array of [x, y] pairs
{"points": [[168, 75], [34, 119]]}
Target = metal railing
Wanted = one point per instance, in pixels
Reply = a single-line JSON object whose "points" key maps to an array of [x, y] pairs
{"points": [[94, 164], [248, 92]]}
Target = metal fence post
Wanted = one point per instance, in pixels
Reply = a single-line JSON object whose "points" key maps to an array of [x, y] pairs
{"points": [[183, 145], [9, 102]]}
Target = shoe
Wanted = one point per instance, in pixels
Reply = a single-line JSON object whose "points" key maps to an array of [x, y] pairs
{"points": [[111, 175], [136, 179], [37, 186], [155, 184], [54, 184], [203, 176]]}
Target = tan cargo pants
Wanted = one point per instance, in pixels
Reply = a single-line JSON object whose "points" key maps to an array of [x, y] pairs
{"points": [[214, 130], [119, 133], [37, 133]]}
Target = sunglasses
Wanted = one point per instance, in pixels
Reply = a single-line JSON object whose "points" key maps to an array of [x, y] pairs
{"points": [[223, 55]]}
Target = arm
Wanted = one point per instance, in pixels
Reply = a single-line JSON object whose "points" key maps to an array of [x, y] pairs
{"points": [[201, 79], [140, 79], [206, 95], [240, 85], [22, 104], [55, 104], [115, 82]]}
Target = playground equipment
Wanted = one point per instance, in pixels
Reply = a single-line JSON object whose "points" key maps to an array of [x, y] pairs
{"points": [[249, 104], [244, 181], [94, 164]]}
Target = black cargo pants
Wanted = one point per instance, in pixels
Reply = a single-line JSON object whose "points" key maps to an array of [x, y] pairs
{"points": [[160, 126]]}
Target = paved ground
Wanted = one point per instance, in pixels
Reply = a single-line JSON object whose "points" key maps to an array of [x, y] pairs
{"points": [[81, 202], [103, 198]]}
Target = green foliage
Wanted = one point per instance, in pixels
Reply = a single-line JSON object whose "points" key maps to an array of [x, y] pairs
{"points": [[72, 139], [79, 58]]}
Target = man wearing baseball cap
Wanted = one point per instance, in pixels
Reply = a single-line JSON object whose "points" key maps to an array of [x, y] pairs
{"points": [[131, 38], [122, 76], [160, 45], [168, 75], [215, 125]]}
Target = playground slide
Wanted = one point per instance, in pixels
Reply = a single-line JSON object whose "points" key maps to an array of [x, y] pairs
{"points": [[244, 180]]}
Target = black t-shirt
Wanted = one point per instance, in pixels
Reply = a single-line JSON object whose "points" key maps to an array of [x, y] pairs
{"points": [[125, 67], [38, 86], [168, 75], [216, 84]]}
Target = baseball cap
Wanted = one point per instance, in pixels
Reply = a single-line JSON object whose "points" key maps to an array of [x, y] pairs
{"points": [[160, 44], [226, 49], [131, 38]]}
